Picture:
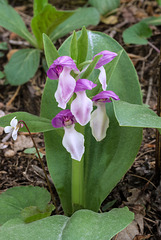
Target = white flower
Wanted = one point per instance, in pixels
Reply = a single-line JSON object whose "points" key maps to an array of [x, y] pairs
{"points": [[13, 128], [73, 141]]}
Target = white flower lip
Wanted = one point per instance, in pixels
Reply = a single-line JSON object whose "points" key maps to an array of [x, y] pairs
{"points": [[73, 141], [99, 122]]}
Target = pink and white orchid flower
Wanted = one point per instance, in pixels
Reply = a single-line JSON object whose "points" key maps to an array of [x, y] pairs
{"points": [[60, 69], [107, 57], [82, 106], [73, 141], [99, 122]]}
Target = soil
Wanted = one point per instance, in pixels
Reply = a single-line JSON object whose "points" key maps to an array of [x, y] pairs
{"points": [[139, 189]]}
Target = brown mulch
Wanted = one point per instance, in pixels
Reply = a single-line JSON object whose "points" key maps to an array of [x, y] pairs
{"points": [[19, 168]]}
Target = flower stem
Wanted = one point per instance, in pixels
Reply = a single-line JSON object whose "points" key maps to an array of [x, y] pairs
{"points": [[77, 184], [42, 165]]}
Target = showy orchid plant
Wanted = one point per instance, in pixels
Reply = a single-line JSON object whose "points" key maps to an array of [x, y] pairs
{"points": [[92, 118], [81, 106]]}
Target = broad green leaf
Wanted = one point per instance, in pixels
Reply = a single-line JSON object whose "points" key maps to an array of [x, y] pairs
{"points": [[3, 46], [47, 20], [81, 17], [93, 226], [22, 66], [12, 21], [50, 50], [16, 199], [83, 224], [34, 123], [74, 47], [133, 115], [105, 6], [39, 5], [137, 34], [82, 46], [101, 158]]}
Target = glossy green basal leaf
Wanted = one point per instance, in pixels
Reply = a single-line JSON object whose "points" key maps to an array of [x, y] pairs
{"points": [[105, 6], [83, 224], [133, 115], [39, 5], [106, 161], [12, 21], [81, 17], [137, 34], [34, 123], [47, 20], [22, 66], [19, 202]]}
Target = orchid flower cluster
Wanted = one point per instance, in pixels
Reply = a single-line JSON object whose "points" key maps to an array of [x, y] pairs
{"points": [[81, 108]]}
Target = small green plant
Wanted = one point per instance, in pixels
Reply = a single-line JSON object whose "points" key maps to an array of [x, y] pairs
{"points": [[47, 19], [139, 32]]}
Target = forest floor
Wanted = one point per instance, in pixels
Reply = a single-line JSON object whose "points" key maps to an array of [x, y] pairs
{"points": [[138, 189]]}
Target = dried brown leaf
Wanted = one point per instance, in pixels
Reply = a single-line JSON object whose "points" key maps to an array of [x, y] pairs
{"points": [[10, 53], [109, 20], [22, 142]]}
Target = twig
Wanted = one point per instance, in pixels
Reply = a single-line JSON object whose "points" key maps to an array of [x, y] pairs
{"points": [[142, 154], [149, 220], [41, 172], [115, 29], [154, 47], [19, 43], [134, 175], [13, 97], [149, 91]]}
